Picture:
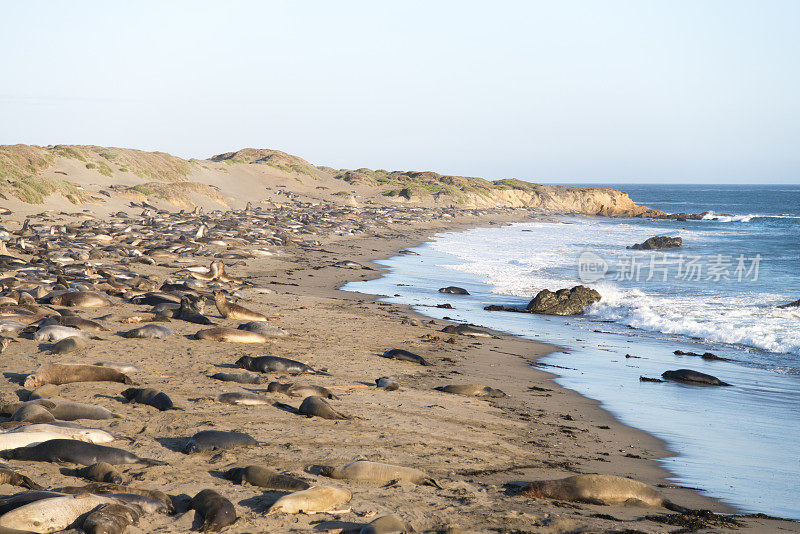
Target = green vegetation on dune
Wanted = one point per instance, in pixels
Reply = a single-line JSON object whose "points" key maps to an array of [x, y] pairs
{"points": [[35, 189], [177, 192], [273, 158], [410, 184], [146, 165]]}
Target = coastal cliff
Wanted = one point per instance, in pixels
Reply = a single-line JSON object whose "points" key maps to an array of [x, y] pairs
{"points": [[63, 175]]}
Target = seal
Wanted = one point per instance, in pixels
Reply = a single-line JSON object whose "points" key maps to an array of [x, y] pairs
{"points": [[157, 500], [404, 356], [100, 472], [274, 364], [366, 471], [265, 478], [67, 373], [217, 511], [149, 331], [55, 333], [386, 524], [263, 329], [7, 476], [240, 398], [191, 310], [76, 452], [62, 409], [111, 518], [53, 514], [310, 501], [80, 323], [13, 440], [453, 290], [599, 489], [71, 431], [230, 310], [241, 378], [151, 397], [317, 407], [389, 384], [69, 344], [212, 440], [472, 390], [230, 335], [33, 413], [465, 330], [299, 390], [693, 377], [82, 299], [11, 502]]}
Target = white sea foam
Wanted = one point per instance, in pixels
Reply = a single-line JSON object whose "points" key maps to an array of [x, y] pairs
{"points": [[525, 258], [711, 216]]}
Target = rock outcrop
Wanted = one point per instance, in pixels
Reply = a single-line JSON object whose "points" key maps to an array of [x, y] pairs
{"points": [[564, 301], [658, 243]]}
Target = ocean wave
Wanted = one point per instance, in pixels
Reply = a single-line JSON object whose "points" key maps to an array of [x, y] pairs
{"points": [[727, 321], [525, 258], [711, 216]]}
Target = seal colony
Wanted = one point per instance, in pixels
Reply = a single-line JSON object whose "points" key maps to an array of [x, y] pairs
{"points": [[291, 398]]}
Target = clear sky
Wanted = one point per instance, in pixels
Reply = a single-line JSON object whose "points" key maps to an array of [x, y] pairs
{"points": [[557, 91]]}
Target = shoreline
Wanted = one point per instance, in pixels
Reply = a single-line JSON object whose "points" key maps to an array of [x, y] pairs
{"points": [[477, 449]]}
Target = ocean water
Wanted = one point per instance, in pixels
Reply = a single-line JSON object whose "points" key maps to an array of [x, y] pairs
{"points": [[717, 293]]}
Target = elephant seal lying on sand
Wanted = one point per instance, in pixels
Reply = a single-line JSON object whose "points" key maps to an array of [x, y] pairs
{"points": [[300, 390], [67, 373], [265, 478], [310, 501], [273, 364], [217, 511], [405, 356], [472, 390], [366, 471], [465, 330], [693, 377], [599, 489], [317, 406], [212, 440], [76, 452]]}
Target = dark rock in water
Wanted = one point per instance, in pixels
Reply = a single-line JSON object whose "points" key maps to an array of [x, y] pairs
{"points": [[648, 379], [453, 290], [564, 301], [693, 377], [659, 242], [497, 307], [795, 304], [445, 306]]}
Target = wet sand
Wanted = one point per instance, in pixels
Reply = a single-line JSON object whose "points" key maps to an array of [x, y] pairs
{"points": [[476, 449]]}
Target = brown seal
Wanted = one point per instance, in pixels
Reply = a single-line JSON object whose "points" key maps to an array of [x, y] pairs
{"points": [[67, 373], [366, 471], [217, 511], [230, 310], [264, 477], [111, 518], [231, 335], [83, 299], [599, 489]]}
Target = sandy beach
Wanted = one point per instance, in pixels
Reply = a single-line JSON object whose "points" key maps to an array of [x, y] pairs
{"points": [[480, 451]]}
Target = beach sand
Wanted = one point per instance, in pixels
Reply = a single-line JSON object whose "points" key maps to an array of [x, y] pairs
{"points": [[478, 450]]}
